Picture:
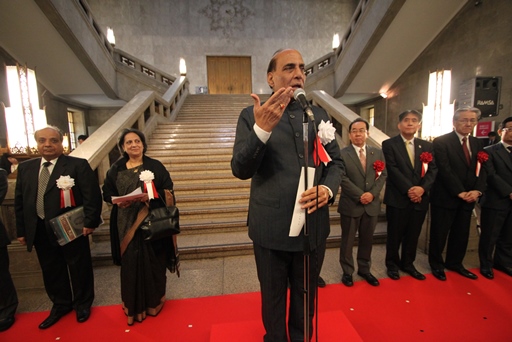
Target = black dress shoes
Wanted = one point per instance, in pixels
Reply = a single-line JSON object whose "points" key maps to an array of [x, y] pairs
{"points": [[6, 323], [370, 279], [463, 272], [394, 275], [487, 273], [53, 318], [439, 274], [347, 280], [504, 269], [413, 272], [83, 315]]}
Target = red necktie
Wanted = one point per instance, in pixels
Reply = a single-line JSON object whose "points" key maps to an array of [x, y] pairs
{"points": [[466, 151]]}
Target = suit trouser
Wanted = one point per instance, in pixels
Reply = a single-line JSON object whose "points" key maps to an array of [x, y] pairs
{"points": [[404, 228], [365, 224], [452, 225], [8, 296], [67, 270], [496, 234], [276, 270]]}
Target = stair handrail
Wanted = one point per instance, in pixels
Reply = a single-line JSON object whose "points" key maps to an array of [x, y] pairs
{"points": [[344, 116], [145, 110]]}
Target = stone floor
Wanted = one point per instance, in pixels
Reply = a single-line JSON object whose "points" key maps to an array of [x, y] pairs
{"points": [[219, 276]]}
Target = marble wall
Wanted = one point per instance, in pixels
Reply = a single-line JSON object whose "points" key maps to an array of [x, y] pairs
{"points": [[160, 32], [474, 44]]}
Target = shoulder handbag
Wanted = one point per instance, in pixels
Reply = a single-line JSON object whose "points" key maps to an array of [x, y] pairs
{"points": [[160, 223]]}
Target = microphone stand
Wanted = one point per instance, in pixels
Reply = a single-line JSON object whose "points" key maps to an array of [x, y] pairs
{"points": [[305, 133], [307, 249]]}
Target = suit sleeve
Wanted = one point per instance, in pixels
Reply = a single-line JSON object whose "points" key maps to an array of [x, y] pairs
{"points": [[248, 150], [494, 180], [3, 184], [18, 202]]}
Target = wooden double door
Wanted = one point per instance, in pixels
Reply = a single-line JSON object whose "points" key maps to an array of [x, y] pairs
{"points": [[229, 75]]}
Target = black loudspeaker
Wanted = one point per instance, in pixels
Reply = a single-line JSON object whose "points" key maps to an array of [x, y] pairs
{"points": [[482, 93]]}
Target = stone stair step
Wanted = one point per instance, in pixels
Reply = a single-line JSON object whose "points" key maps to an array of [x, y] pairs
{"points": [[197, 150]]}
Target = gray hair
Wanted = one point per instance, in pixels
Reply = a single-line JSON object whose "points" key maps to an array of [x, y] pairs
{"points": [[466, 109], [56, 129]]}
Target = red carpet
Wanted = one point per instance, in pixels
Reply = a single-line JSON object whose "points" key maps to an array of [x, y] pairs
{"points": [[406, 310]]}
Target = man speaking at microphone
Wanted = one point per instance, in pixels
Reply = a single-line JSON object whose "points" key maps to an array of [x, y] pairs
{"points": [[269, 149]]}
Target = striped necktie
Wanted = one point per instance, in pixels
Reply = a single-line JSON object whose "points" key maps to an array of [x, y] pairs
{"points": [[44, 177], [362, 158]]}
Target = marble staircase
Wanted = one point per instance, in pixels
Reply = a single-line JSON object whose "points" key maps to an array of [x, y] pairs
{"points": [[197, 149]]}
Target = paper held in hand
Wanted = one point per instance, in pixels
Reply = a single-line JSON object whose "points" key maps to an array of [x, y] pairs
{"points": [[135, 194], [299, 214]]}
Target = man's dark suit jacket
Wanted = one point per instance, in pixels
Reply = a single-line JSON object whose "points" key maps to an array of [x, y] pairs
{"points": [[355, 181], [275, 169], [455, 176], [499, 178], [85, 193], [4, 239], [402, 175]]}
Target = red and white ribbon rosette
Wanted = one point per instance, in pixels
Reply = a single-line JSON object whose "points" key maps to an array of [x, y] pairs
{"points": [[65, 183], [481, 158], [147, 177], [425, 158], [378, 166], [325, 135]]}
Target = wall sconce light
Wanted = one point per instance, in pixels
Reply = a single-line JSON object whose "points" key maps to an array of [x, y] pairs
{"points": [[438, 115], [383, 95], [23, 117], [111, 37], [335, 41], [65, 143], [183, 67]]}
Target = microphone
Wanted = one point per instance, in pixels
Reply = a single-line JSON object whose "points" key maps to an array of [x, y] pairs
{"points": [[300, 96]]}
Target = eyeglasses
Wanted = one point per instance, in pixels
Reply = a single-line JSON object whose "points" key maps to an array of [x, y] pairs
{"points": [[507, 129], [465, 121], [355, 131]]}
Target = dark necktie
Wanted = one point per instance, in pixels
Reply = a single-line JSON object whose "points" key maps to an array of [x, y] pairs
{"points": [[510, 151], [44, 177], [466, 151]]}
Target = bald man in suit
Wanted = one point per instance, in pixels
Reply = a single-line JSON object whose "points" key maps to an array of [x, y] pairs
{"points": [[269, 149], [67, 270], [359, 204]]}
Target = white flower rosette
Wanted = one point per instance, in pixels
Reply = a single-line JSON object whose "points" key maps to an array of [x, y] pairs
{"points": [[324, 136], [326, 132], [65, 183], [147, 177]]}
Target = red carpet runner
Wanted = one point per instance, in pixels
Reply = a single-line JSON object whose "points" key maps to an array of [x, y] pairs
{"points": [[459, 309]]}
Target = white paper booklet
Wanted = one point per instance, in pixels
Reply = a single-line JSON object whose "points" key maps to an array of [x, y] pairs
{"points": [[299, 216]]}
